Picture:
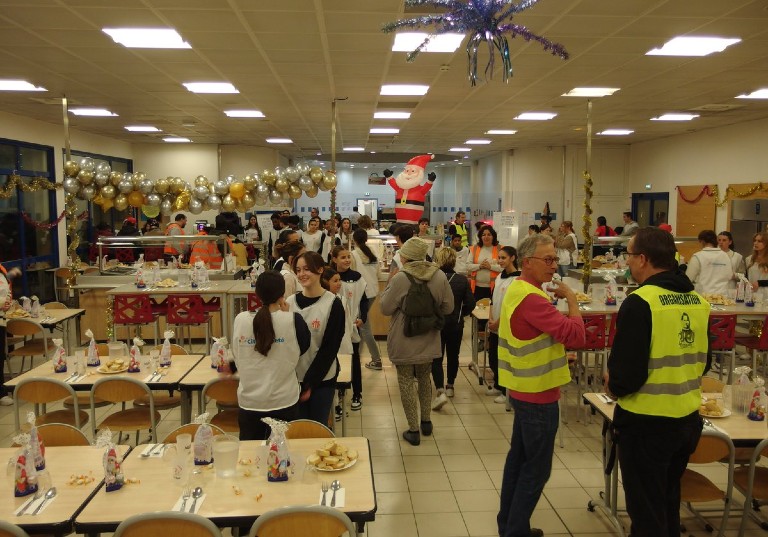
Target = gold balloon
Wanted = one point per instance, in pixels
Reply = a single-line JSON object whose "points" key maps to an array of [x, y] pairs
{"points": [[136, 199], [239, 207], [181, 203], [227, 203], [115, 177], [107, 204], [294, 192], [282, 184], [316, 174], [237, 190], [178, 185], [329, 181], [201, 180], [312, 192], [269, 177], [250, 182], [162, 186], [248, 201], [71, 168], [108, 192], [121, 202]]}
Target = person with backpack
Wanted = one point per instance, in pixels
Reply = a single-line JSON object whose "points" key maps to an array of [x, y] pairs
{"points": [[452, 332], [417, 298]]}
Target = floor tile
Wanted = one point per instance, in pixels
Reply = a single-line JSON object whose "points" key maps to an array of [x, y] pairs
{"points": [[477, 500], [434, 501], [426, 481], [440, 525]]}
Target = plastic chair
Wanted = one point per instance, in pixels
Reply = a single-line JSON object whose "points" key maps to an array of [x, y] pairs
{"points": [[189, 428], [723, 329], [122, 390], [713, 446], [11, 530], [308, 429], [212, 305], [164, 523], [42, 391], [752, 482], [135, 310], [176, 350], [710, 385], [254, 302], [60, 290], [61, 434], [187, 310], [224, 392], [55, 306], [315, 520], [30, 345], [758, 345]]}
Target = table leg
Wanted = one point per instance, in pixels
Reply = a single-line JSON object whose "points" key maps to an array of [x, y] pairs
{"points": [[226, 310], [608, 503], [343, 402], [474, 364], [186, 406]]}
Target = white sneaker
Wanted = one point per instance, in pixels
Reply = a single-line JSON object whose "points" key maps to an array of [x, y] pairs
{"points": [[6, 400], [439, 401], [449, 391], [501, 399], [491, 390]]}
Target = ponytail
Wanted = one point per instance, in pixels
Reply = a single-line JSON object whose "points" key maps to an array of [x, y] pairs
{"points": [[270, 287], [360, 236]]}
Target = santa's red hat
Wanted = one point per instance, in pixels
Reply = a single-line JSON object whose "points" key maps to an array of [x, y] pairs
{"points": [[421, 161]]}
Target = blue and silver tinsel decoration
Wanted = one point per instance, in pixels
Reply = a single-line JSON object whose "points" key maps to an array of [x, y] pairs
{"points": [[486, 21]]}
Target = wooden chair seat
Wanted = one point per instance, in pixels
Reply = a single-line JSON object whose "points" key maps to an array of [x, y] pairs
{"points": [[698, 488], [130, 419], [32, 347], [60, 434], [62, 416], [226, 420], [163, 401], [84, 400]]}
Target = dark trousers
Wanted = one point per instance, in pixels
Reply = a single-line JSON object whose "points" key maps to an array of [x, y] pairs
{"points": [[450, 340], [357, 375], [251, 426], [493, 358], [652, 463], [318, 406]]}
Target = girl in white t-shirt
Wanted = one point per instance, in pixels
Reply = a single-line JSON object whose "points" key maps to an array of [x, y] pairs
{"points": [[508, 264], [289, 252], [266, 347], [312, 237]]}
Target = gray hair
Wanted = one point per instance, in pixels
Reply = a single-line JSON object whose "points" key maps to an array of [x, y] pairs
{"points": [[445, 258], [528, 245]]}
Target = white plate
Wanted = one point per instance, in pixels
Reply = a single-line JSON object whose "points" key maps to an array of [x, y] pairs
{"points": [[351, 464], [725, 414], [104, 371]]}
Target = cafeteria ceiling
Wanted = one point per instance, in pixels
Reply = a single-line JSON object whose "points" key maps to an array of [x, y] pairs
{"points": [[292, 58]]}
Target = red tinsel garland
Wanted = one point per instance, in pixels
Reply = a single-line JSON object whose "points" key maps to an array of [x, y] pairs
{"points": [[704, 191], [48, 225]]}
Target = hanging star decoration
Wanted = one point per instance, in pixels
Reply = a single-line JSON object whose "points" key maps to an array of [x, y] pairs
{"points": [[486, 21]]}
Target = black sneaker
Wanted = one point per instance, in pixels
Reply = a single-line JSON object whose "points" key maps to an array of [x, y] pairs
{"points": [[412, 437], [376, 366], [426, 428], [338, 412], [357, 402], [536, 532]]}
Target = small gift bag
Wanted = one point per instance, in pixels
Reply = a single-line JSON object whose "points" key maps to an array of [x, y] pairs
{"points": [[26, 304], [59, 357], [611, 290], [203, 443], [36, 445], [219, 354], [165, 350], [134, 365], [25, 478], [113, 472], [93, 350], [743, 389], [757, 405], [278, 457], [35, 307]]}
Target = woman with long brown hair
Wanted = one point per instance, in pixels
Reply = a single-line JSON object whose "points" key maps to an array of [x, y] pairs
{"points": [[757, 263], [266, 346]]}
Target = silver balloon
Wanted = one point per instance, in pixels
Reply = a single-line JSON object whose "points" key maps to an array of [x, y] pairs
{"points": [[146, 186], [305, 183], [87, 163], [262, 191], [103, 167], [195, 206], [138, 177], [108, 192], [86, 176], [303, 168], [88, 192], [292, 174], [261, 199], [201, 192], [166, 207], [221, 187], [154, 199], [125, 186], [213, 201], [279, 172], [71, 185], [127, 176], [101, 178], [275, 197], [230, 179]]}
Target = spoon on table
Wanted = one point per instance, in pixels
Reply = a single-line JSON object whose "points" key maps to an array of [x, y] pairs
{"points": [[36, 497], [48, 496], [195, 495], [334, 487]]}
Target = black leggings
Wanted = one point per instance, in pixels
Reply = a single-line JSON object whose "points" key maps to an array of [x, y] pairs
{"points": [[450, 340], [251, 426]]}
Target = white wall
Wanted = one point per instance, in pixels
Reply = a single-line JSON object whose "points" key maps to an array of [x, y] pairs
{"points": [[536, 178]]}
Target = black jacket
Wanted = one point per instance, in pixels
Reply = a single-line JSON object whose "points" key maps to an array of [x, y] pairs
{"points": [[463, 299]]}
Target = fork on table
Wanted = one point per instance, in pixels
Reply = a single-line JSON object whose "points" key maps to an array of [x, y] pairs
{"points": [[325, 487], [184, 497]]}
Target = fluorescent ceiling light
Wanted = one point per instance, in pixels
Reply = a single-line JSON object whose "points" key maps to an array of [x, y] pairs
{"points": [[477, 142], [98, 112], [501, 131], [591, 92], [616, 132], [19, 85], [536, 116], [759, 94], [693, 46], [279, 141], [176, 140], [244, 113], [459, 149], [354, 149], [142, 128], [404, 89], [392, 115], [210, 87], [409, 41], [146, 37], [675, 117], [384, 130]]}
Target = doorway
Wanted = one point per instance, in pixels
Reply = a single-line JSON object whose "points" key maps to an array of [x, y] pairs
{"points": [[651, 208]]}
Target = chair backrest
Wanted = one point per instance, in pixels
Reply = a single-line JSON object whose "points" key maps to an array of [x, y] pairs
{"points": [[723, 328], [185, 309], [612, 329], [308, 429], [119, 390], [315, 520], [713, 446], [594, 327], [11, 530], [162, 524], [63, 273], [55, 306], [254, 302], [176, 350], [133, 309], [42, 390], [189, 428], [61, 434], [763, 342], [710, 385], [23, 327], [223, 390]]}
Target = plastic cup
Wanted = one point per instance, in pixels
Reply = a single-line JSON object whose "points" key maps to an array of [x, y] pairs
{"points": [[225, 451], [116, 350], [184, 441]]}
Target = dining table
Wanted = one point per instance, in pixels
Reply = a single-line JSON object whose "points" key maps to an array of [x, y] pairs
{"points": [[238, 500], [52, 318], [61, 464]]}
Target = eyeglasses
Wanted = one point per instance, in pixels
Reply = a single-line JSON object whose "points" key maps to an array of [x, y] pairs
{"points": [[549, 261]]}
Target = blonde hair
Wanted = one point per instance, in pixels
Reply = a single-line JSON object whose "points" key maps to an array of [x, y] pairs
{"points": [[445, 258]]}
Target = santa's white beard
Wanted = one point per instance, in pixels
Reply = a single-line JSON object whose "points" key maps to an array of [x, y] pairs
{"points": [[405, 182]]}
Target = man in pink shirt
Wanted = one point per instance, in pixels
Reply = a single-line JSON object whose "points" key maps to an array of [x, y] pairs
{"points": [[533, 336]]}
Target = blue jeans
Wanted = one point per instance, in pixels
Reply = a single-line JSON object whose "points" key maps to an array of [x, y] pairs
{"points": [[528, 465]]}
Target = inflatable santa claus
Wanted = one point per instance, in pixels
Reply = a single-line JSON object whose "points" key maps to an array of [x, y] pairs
{"points": [[409, 192]]}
